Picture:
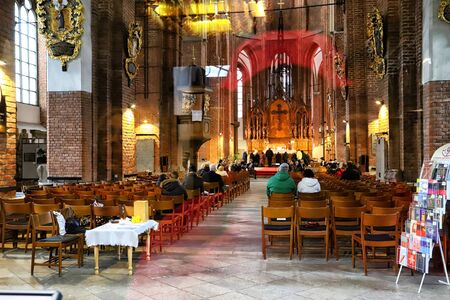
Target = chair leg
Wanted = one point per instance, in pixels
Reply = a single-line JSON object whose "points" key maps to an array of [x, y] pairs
{"points": [[28, 235], [291, 245], [33, 253], [364, 250], [263, 244], [327, 250], [299, 246], [60, 260], [336, 246], [353, 253]]}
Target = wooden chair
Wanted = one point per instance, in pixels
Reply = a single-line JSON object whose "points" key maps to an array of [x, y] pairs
{"points": [[321, 229], [345, 222], [45, 201], [181, 208], [271, 230], [312, 196], [367, 238], [169, 223], [43, 225], [381, 198], [16, 217], [199, 205], [105, 211], [61, 243], [216, 197]]}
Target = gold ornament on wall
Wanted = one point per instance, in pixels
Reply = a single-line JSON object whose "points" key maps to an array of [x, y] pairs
{"points": [[375, 47], [188, 103], [61, 22], [444, 11], [340, 66], [134, 43]]}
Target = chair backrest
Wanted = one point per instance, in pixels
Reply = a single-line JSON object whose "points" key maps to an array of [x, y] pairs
{"points": [[277, 212], [367, 198], [129, 210], [312, 196], [16, 208], [43, 221], [379, 220], [313, 213], [348, 212], [80, 210], [338, 193], [74, 201], [371, 204], [38, 192], [106, 211], [313, 203], [386, 210], [347, 198], [163, 205], [108, 202], [44, 201], [43, 208], [193, 193], [353, 203], [212, 187], [177, 199]]}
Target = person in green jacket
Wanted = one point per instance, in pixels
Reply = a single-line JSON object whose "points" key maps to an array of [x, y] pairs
{"points": [[281, 182]]}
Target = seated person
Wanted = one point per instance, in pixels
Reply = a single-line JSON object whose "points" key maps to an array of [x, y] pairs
{"points": [[351, 173], [161, 178], [281, 182], [221, 171], [172, 187], [192, 181], [210, 175], [308, 184]]}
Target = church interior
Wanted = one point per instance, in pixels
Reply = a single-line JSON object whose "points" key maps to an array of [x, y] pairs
{"points": [[100, 97]]}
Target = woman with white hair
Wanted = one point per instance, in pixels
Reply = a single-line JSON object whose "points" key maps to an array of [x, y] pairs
{"points": [[281, 182]]}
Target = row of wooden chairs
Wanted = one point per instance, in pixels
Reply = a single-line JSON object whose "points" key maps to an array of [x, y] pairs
{"points": [[368, 231]]}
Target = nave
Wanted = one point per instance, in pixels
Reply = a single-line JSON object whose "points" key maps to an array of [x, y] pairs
{"points": [[220, 259]]}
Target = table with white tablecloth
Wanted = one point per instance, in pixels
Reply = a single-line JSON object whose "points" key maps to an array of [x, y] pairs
{"points": [[124, 234]]}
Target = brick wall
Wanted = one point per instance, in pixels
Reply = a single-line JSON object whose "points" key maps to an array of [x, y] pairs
{"points": [[8, 139], [436, 113], [69, 135]]}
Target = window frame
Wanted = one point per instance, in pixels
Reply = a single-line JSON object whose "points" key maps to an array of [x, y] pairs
{"points": [[26, 57]]}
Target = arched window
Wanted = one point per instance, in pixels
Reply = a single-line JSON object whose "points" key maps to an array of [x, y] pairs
{"points": [[317, 61], [240, 94], [280, 77], [26, 53]]}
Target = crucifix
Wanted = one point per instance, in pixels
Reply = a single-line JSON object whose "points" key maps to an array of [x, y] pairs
{"points": [[281, 3], [279, 112]]}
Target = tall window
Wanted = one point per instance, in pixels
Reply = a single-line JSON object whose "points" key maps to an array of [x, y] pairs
{"points": [[26, 53], [240, 93], [280, 77]]}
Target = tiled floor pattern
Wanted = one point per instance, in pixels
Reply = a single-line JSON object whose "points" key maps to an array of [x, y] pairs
{"points": [[220, 259]]}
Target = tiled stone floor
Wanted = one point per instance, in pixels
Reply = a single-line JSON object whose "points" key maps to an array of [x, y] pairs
{"points": [[220, 259]]}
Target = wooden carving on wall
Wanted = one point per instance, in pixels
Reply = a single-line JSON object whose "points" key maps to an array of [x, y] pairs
{"points": [[279, 120], [444, 11], [375, 47], [340, 66], [61, 22], [188, 103], [134, 43]]}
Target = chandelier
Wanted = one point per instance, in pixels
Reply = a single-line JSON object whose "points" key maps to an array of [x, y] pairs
{"points": [[206, 16]]}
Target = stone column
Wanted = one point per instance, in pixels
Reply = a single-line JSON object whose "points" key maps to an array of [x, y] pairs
{"points": [[69, 114], [435, 79], [7, 86]]}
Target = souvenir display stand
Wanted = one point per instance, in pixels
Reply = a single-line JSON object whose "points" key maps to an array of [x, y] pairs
{"points": [[426, 215]]}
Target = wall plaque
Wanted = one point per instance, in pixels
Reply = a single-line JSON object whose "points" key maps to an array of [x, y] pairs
{"points": [[375, 46], [61, 22], [444, 11]]}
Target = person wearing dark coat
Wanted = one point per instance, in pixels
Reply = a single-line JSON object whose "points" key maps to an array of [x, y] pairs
{"points": [[192, 181], [251, 158], [244, 156], [256, 159], [269, 155], [212, 176], [285, 157], [351, 173], [278, 158], [172, 187]]}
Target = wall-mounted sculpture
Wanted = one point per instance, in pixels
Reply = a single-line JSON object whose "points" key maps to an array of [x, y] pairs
{"points": [[134, 43], [341, 73], [375, 47], [444, 11], [2, 112], [61, 22]]}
